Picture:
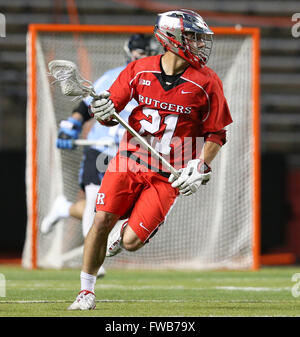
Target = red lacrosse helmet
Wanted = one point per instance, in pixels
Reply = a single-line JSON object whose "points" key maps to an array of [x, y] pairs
{"points": [[186, 34]]}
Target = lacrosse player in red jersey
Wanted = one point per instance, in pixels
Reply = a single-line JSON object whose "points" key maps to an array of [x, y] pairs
{"points": [[180, 100]]}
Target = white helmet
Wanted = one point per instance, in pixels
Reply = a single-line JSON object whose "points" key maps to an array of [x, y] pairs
{"points": [[172, 30]]}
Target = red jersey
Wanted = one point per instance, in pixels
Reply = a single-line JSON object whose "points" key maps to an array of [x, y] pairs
{"points": [[173, 118]]}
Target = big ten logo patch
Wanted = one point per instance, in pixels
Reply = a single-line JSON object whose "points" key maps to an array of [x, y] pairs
{"points": [[100, 199]]}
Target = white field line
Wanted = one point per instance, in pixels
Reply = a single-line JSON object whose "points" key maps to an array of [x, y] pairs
{"points": [[147, 301], [254, 288], [99, 301], [249, 289], [241, 279], [153, 287]]}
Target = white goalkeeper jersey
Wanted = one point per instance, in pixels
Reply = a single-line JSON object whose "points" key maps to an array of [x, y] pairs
{"points": [[101, 132]]}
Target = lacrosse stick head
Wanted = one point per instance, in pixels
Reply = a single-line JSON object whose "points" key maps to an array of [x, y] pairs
{"points": [[71, 82]]}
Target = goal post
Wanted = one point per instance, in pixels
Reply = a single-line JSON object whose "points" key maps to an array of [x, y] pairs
{"points": [[218, 227]]}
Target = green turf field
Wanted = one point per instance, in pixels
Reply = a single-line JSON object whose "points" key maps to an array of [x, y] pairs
{"points": [[267, 292]]}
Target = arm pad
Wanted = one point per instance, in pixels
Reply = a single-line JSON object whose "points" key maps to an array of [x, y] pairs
{"points": [[82, 108]]}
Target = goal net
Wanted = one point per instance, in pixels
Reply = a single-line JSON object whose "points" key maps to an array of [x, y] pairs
{"points": [[218, 227]]}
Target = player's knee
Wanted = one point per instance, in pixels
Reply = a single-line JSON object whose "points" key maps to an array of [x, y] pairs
{"points": [[132, 246], [104, 222], [131, 241]]}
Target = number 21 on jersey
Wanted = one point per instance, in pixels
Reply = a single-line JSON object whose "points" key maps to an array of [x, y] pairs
{"points": [[170, 122]]}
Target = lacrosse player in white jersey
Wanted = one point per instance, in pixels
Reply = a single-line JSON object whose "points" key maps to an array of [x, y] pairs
{"points": [[90, 174]]}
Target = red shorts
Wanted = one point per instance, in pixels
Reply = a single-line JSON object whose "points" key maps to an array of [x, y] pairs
{"points": [[143, 197]]}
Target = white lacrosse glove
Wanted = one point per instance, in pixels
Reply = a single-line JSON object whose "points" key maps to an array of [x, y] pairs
{"points": [[196, 173], [102, 108]]}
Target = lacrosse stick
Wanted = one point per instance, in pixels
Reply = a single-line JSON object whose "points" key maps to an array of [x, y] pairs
{"points": [[73, 84]]}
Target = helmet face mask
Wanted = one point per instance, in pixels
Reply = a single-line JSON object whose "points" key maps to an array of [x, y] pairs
{"points": [[186, 34], [199, 45]]}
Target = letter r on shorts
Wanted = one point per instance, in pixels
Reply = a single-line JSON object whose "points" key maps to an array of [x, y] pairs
{"points": [[100, 197]]}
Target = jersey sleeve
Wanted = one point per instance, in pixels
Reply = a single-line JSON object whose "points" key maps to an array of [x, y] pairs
{"points": [[121, 91], [218, 115], [218, 137]]}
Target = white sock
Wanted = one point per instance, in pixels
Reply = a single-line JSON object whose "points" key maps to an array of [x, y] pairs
{"points": [[64, 209], [87, 281]]}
